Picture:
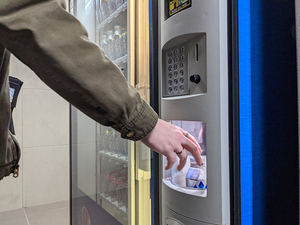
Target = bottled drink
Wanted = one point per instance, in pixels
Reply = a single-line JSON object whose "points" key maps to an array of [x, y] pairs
{"points": [[104, 141], [111, 6], [124, 43], [117, 41], [105, 184], [125, 196], [196, 177], [111, 185], [114, 189], [110, 45], [104, 9], [120, 191], [124, 148], [104, 45], [119, 3]]}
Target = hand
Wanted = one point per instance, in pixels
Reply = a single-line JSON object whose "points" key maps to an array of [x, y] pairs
{"points": [[167, 139]]}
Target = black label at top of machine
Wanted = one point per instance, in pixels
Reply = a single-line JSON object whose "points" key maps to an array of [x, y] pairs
{"points": [[175, 6]]}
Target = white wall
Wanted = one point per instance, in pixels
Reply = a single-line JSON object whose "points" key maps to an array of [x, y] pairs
{"points": [[42, 128]]}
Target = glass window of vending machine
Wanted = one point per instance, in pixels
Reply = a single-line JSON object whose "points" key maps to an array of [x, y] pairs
{"points": [[110, 175]]}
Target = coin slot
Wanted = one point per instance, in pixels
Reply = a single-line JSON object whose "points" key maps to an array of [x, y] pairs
{"points": [[196, 53]]}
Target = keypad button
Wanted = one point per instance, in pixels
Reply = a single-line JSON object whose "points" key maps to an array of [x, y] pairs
{"points": [[181, 57], [181, 65], [170, 90], [170, 60], [182, 49], [170, 53], [181, 80], [176, 59], [181, 72], [175, 74], [175, 81], [175, 66], [170, 75], [170, 83], [181, 88], [170, 68], [175, 90], [176, 51]]}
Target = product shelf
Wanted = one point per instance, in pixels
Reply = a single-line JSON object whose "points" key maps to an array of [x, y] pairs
{"points": [[112, 16], [111, 155]]}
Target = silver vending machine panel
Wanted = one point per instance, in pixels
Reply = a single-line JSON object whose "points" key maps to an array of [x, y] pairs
{"points": [[193, 85]]}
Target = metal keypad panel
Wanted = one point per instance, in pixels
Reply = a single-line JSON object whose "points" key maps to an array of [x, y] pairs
{"points": [[176, 71]]}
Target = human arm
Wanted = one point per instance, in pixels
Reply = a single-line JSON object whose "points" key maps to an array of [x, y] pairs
{"points": [[56, 47]]}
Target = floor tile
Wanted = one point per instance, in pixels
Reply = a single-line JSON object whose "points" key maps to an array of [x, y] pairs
{"points": [[11, 214], [47, 207], [15, 221], [52, 217]]}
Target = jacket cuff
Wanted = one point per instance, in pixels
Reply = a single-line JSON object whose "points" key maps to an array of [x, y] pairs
{"points": [[141, 125]]}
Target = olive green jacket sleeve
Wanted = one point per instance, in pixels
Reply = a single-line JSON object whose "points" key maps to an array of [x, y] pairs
{"points": [[55, 46]]}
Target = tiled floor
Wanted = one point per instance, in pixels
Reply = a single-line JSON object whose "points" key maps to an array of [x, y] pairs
{"points": [[50, 214]]}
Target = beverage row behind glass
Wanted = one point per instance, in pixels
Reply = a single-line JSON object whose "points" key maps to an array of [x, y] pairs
{"points": [[114, 186], [114, 44], [107, 7], [112, 144]]}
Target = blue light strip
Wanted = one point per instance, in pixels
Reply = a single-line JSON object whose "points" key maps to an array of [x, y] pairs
{"points": [[245, 112]]}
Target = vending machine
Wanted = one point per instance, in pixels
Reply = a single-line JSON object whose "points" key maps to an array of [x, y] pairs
{"points": [[193, 94]]}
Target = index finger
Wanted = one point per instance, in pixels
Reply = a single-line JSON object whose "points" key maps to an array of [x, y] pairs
{"points": [[193, 149], [191, 138]]}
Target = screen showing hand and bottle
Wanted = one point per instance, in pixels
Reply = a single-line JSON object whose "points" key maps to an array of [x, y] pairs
{"points": [[192, 179]]}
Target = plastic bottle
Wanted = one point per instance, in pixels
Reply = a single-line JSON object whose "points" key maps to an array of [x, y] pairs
{"points": [[117, 41], [112, 6], [124, 43], [196, 176], [119, 3], [104, 9], [104, 44], [110, 45]]}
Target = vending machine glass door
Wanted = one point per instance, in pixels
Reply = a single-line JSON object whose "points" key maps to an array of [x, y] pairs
{"points": [[110, 175]]}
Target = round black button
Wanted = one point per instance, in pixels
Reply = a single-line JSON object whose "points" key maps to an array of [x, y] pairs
{"points": [[195, 78]]}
